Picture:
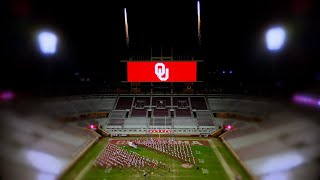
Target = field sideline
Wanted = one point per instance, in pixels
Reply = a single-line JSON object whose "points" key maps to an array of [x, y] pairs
{"points": [[213, 158]]}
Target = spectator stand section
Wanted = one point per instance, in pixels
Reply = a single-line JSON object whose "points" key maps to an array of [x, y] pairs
{"points": [[138, 114]]}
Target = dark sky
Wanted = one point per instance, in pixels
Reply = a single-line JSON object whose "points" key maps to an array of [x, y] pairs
{"points": [[92, 37]]}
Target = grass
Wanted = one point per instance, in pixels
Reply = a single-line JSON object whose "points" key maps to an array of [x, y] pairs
{"points": [[231, 161], [211, 164], [90, 155]]}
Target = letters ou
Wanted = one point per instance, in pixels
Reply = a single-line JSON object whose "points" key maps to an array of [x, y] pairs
{"points": [[160, 70]]}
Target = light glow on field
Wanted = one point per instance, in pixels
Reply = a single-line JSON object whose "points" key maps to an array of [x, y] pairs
{"points": [[276, 176], [46, 176], [44, 162], [281, 162]]}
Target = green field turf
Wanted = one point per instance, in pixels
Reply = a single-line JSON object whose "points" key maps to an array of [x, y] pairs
{"points": [[210, 166]]}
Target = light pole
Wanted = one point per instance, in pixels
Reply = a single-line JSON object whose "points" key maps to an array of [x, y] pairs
{"points": [[47, 43], [275, 39]]}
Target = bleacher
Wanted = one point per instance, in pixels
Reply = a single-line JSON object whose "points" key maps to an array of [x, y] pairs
{"points": [[198, 103], [204, 118], [185, 121], [165, 99], [183, 112], [243, 106], [106, 104], [118, 114], [136, 122], [161, 115], [160, 121], [117, 118], [296, 143], [124, 103], [138, 112], [34, 140], [79, 105], [175, 100], [161, 112], [116, 122], [146, 101]]}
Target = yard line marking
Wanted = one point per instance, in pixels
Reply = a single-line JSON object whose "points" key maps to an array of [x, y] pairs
{"points": [[84, 170], [201, 161], [205, 171], [226, 167]]}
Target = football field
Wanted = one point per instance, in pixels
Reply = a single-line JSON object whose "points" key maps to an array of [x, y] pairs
{"points": [[213, 161]]}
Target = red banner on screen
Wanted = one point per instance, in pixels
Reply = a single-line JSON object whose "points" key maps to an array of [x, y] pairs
{"points": [[162, 71]]}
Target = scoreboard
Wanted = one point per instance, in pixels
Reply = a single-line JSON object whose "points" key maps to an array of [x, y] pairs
{"points": [[161, 71]]}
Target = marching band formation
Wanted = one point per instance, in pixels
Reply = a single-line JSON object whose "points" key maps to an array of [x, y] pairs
{"points": [[115, 156], [171, 147]]}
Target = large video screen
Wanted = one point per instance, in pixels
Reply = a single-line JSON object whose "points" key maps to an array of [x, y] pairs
{"points": [[162, 71]]}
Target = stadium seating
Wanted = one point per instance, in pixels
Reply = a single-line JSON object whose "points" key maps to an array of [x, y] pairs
{"points": [[260, 146], [37, 141], [105, 104], [138, 112], [136, 122], [166, 99], [198, 103], [145, 99], [160, 121], [183, 112], [176, 99], [117, 118], [116, 122], [124, 103], [185, 121], [204, 118], [160, 112]]}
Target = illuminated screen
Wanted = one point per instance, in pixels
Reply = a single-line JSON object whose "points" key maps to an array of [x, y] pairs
{"points": [[162, 71]]}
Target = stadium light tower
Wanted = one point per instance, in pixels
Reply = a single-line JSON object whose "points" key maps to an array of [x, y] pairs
{"points": [[275, 38], [47, 42]]}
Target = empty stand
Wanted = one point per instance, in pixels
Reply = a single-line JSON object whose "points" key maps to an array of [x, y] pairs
{"points": [[139, 101], [180, 101], [124, 103], [183, 112], [167, 101], [117, 118], [116, 122], [136, 122], [161, 112], [185, 122], [160, 121], [138, 112], [198, 103], [204, 118]]}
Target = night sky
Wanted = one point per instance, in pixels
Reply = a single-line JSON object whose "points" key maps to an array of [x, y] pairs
{"points": [[92, 39]]}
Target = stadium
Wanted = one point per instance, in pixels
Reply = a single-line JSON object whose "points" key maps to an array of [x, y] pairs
{"points": [[230, 137], [165, 107]]}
